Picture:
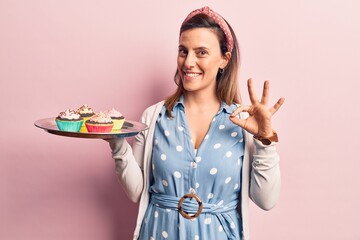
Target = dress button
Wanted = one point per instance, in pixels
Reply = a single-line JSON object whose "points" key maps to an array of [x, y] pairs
{"points": [[192, 190], [194, 165]]}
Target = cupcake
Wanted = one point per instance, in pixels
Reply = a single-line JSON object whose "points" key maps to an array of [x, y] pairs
{"points": [[99, 123], [69, 121], [116, 117], [85, 112]]}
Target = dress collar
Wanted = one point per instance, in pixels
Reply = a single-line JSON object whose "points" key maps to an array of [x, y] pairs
{"points": [[223, 106]]}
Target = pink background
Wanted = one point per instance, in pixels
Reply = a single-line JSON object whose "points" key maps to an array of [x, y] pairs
{"points": [[60, 54]]}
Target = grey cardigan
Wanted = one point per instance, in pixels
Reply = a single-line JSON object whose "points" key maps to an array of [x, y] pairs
{"points": [[260, 171]]}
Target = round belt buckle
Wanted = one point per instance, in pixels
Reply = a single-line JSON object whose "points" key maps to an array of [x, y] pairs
{"points": [[185, 214]]}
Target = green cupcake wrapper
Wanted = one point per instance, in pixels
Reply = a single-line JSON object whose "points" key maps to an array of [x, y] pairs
{"points": [[69, 126]]}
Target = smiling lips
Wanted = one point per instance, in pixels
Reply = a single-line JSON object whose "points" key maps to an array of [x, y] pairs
{"points": [[190, 75]]}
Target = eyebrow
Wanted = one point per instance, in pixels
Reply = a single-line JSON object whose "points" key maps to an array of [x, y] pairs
{"points": [[197, 48]]}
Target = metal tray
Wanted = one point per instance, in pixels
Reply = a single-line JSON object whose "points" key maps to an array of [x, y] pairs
{"points": [[130, 128]]}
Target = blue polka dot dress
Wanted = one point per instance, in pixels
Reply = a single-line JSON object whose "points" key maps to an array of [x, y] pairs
{"points": [[212, 172]]}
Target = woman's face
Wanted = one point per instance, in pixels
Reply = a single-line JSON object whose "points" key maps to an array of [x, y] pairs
{"points": [[199, 59]]}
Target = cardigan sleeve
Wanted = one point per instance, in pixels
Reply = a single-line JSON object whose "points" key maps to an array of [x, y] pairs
{"points": [[265, 178], [129, 163], [264, 171]]}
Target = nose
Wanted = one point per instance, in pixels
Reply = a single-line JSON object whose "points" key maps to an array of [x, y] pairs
{"points": [[190, 60]]}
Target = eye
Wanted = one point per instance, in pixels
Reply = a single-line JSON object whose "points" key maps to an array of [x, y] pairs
{"points": [[182, 52], [202, 52]]}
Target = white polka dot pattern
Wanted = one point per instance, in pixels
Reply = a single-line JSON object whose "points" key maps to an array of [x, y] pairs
{"points": [[228, 154], [179, 148], [165, 183], [212, 172], [227, 180], [177, 174], [164, 234], [217, 145]]}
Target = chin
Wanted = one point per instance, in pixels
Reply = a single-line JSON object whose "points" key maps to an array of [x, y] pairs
{"points": [[189, 86], [189, 89]]}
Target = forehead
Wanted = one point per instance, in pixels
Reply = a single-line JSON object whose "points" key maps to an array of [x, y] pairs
{"points": [[199, 37]]}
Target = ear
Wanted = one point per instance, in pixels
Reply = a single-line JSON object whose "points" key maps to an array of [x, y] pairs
{"points": [[225, 59]]}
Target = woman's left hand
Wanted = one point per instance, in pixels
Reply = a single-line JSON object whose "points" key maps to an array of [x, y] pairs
{"points": [[259, 120]]}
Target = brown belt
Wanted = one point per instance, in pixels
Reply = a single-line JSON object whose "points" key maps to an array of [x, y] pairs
{"points": [[185, 214]]}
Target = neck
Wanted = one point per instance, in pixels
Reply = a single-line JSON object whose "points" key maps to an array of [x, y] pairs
{"points": [[201, 101]]}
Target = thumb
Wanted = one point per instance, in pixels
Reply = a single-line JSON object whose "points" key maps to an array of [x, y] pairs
{"points": [[237, 121]]}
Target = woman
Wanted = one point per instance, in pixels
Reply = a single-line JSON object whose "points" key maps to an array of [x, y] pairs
{"points": [[197, 165]]}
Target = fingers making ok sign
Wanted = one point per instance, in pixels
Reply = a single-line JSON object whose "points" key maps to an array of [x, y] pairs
{"points": [[259, 120]]}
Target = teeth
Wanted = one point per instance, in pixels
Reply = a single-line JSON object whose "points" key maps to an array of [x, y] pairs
{"points": [[192, 74]]}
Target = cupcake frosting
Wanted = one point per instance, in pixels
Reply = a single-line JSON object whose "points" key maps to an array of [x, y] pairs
{"points": [[113, 113], [85, 109], [100, 118], [69, 114]]}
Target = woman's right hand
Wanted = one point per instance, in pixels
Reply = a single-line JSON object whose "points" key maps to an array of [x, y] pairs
{"points": [[116, 145]]}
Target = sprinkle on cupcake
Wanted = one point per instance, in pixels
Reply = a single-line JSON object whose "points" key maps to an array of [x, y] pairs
{"points": [[69, 114], [85, 111]]}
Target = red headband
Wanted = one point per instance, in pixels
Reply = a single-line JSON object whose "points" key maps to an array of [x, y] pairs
{"points": [[218, 19]]}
